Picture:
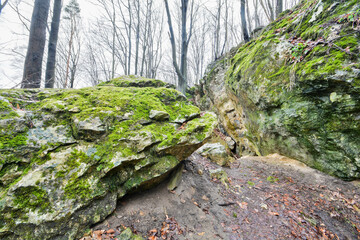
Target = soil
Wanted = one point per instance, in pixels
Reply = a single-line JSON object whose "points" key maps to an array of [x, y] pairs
{"points": [[271, 197]]}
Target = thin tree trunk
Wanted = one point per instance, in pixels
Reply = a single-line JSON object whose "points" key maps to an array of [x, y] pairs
{"points": [[226, 27], [113, 43], [248, 17], [271, 10], [265, 11], [54, 33], [279, 7], [173, 47], [243, 22], [36, 46], [129, 37], [69, 52], [257, 19], [217, 30], [137, 37], [3, 5], [184, 46]]}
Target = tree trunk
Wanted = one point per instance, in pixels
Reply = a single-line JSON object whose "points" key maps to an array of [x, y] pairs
{"points": [[184, 46], [69, 52], [173, 47], [256, 14], [36, 46], [137, 37], [54, 33], [243, 22], [279, 7], [248, 17], [129, 37]]}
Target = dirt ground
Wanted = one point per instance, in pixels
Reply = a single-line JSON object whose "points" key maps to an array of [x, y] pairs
{"points": [[269, 197]]}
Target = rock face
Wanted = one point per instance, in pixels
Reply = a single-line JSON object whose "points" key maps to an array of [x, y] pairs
{"points": [[216, 152], [67, 156], [295, 90]]}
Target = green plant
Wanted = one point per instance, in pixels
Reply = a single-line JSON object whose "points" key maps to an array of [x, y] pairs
{"points": [[250, 183], [298, 50], [272, 179]]}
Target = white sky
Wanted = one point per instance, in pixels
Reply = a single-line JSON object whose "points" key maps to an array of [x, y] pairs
{"points": [[14, 36]]}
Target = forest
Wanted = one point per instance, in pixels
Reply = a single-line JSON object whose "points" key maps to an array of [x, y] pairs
{"points": [[81, 43], [179, 120]]}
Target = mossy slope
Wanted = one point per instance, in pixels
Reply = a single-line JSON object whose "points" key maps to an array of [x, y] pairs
{"points": [[297, 86], [68, 155]]}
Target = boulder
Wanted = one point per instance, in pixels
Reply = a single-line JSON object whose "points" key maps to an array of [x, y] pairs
{"points": [[158, 115], [216, 152], [67, 156], [295, 89]]}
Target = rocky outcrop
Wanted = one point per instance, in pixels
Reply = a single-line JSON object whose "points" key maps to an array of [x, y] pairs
{"points": [[67, 156], [295, 90]]}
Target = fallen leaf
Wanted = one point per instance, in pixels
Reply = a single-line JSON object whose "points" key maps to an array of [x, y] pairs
{"points": [[274, 213]]}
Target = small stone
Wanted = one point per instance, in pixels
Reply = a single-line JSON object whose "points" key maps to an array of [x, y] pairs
{"points": [[205, 198], [75, 110], [230, 143], [264, 206], [159, 115]]}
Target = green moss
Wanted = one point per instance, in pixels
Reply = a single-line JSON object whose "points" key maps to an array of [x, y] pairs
{"points": [[32, 198], [78, 188], [133, 81], [11, 140], [6, 112]]}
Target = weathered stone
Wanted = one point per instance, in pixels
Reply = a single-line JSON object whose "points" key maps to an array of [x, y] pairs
{"points": [[300, 96], [65, 162], [90, 128], [216, 152], [159, 115]]}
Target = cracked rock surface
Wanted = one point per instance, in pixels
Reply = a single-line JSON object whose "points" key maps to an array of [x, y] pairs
{"points": [[67, 156]]}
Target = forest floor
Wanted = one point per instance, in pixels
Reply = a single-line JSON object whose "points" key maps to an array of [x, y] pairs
{"points": [[269, 197]]}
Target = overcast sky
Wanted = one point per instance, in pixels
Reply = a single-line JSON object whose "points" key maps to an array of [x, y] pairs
{"points": [[14, 36]]}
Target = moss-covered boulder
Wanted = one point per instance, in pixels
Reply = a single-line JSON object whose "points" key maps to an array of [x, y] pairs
{"points": [[67, 156], [295, 89]]}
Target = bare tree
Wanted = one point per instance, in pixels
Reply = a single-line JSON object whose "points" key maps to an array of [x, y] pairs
{"points": [[51, 61], [73, 11], [185, 40], [37, 38]]}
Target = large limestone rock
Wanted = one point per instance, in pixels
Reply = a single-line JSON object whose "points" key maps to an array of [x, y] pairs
{"points": [[295, 90], [67, 156]]}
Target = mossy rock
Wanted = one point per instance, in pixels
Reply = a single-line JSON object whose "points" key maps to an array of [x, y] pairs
{"points": [[296, 87], [134, 81], [67, 156]]}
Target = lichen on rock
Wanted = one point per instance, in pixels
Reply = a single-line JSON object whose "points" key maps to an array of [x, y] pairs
{"points": [[295, 89], [67, 156]]}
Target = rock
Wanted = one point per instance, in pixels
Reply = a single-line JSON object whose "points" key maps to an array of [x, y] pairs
{"points": [[90, 128], [128, 235], [272, 96], [134, 81], [159, 115], [220, 175], [230, 143], [216, 152], [65, 163]]}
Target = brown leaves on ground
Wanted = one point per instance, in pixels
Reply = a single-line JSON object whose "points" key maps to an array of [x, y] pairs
{"points": [[169, 230], [102, 235]]}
